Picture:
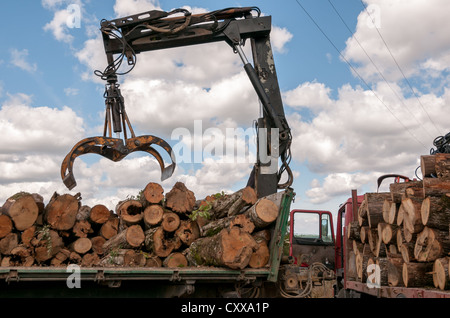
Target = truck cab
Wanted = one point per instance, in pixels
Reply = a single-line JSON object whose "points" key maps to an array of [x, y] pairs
{"points": [[312, 238]]}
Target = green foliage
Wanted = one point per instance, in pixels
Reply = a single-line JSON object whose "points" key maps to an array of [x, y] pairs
{"points": [[203, 210]]}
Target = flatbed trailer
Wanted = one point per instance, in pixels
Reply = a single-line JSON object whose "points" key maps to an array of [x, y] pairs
{"points": [[357, 289], [202, 281]]}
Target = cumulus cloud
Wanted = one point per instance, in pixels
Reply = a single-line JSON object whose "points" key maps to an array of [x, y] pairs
{"points": [[415, 31], [36, 141]]}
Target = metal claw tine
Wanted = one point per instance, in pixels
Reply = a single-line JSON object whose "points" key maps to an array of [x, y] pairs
{"points": [[115, 150]]}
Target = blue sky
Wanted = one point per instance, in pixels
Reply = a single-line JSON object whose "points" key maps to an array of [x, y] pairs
{"points": [[345, 133]]}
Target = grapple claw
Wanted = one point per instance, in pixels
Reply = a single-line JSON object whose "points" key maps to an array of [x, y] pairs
{"points": [[115, 150]]}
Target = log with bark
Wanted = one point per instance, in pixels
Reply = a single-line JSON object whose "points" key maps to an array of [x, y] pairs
{"points": [[418, 274], [130, 212], [131, 237], [431, 244], [231, 247], [437, 165], [61, 211], [180, 199], [153, 193], [22, 209], [441, 273], [435, 212]]}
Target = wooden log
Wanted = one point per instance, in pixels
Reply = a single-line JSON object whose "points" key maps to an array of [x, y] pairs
{"points": [[82, 228], [153, 261], [362, 261], [395, 270], [153, 215], [153, 193], [61, 211], [6, 225], [27, 235], [387, 209], [437, 165], [214, 227], [231, 204], [97, 244], [431, 244], [110, 228], [47, 244], [407, 252], [441, 273], [354, 231], [134, 258], [84, 213], [90, 260], [130, 212], [159, 243], [398, 191], [188, 232], [60, 258], [22, 209], [262, 213], [260, 256], [388, 233], [175, 259], [372, 239], [170, 222], [351, 273], [417, 274], [99, 214], [131, 237], [412, 214], [81, 246], [231, 248], [8, 243], [180, 199], [374, 207], [364, 234], [434, 187], [435, 212]]}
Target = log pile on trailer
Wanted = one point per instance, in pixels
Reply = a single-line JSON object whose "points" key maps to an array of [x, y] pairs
{"points": [[405, 231], [155, 229]]}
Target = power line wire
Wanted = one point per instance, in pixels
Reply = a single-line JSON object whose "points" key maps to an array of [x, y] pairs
{"points": [[359, 76], [398, 66], [376, 67]]}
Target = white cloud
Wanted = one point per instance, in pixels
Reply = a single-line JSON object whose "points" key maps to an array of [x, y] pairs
{"points": [[405, 26], [279, 37], [67, 15], [20, 59]]}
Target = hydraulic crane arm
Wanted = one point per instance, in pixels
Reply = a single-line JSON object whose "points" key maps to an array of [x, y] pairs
{"points": [[155, 30]]}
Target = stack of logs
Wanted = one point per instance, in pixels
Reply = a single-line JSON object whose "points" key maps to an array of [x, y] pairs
{"points": [[405, 231], [155, 229]]}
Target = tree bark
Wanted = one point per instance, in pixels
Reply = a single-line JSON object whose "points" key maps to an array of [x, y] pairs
{"points": [[435, 212], [232, 204], [216, 226], [22, 209], [231, 248], [434, 187], [417, 274], [395, 270], [437, 165]]}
